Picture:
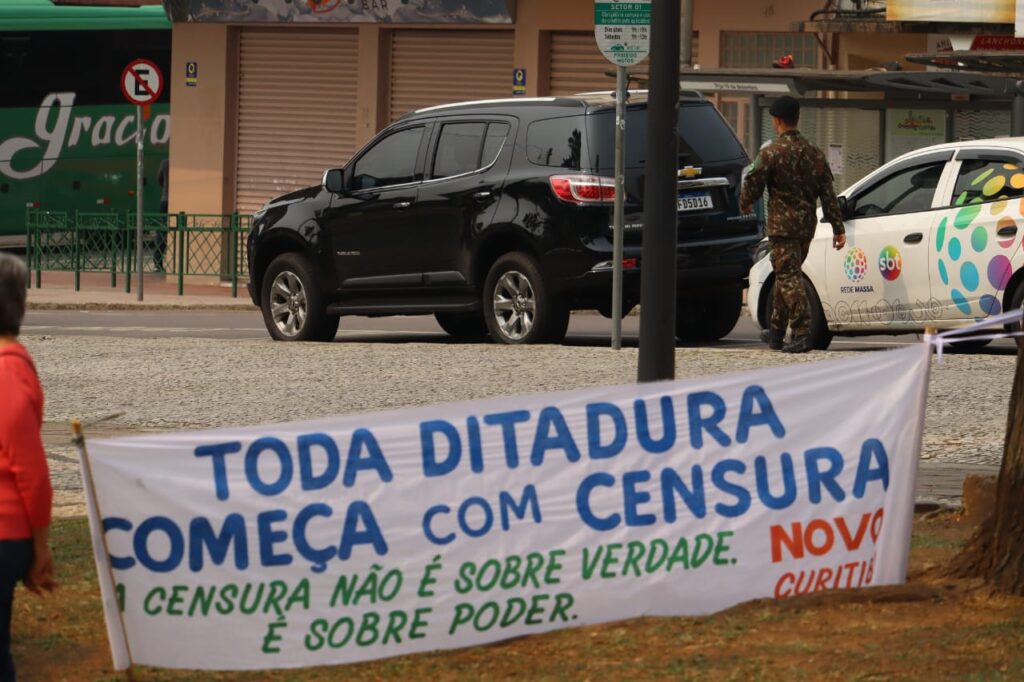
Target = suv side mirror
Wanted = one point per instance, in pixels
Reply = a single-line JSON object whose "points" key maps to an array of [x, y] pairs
{"points": [[844, 207], [334, 180]]}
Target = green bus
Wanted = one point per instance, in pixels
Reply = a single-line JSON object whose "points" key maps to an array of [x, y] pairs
{"points": [[67, 135]]}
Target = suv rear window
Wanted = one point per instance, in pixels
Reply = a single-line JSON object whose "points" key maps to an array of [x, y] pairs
{"points": [[704, 137], [555, 142]]}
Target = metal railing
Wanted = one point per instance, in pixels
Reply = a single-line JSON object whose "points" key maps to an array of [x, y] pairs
{"points": [[174, 244]]}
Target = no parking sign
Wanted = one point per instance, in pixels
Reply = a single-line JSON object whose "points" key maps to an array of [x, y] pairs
{"points": [[142, 82]]}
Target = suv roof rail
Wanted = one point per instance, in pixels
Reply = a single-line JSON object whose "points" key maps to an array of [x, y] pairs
{"points": [[469, 103], [590, 98], [607, 97]]}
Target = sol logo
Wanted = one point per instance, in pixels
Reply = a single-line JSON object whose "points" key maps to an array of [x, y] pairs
{"points": [[890, 263], [856, 264]]}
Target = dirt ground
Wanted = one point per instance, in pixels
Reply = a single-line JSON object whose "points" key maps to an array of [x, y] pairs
{"points": [[930, 629]]}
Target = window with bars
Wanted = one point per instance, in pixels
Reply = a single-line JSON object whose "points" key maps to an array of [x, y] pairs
{"points": [[750, 49]]}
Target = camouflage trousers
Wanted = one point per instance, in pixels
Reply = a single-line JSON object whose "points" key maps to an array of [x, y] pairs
{"points": [[789, 297]]}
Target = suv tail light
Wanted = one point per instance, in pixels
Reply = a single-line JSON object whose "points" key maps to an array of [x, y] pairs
{"points": [[583, 189]]}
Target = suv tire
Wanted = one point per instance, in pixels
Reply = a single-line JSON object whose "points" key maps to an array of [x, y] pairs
{"points": [[463, 326], [292, 304], [518, 306], [707, 317]]}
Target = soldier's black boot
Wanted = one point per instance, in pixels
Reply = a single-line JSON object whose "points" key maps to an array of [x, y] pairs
{"points": [[773, 339], [801, 345]]}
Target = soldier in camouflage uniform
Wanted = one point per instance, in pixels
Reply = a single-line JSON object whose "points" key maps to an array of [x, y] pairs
{"points": [[796, 175]]}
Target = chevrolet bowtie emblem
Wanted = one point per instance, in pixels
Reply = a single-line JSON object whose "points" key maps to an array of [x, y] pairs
{"points": [[690, 172]]}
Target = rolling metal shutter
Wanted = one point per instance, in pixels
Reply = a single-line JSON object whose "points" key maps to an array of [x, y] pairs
{"points": [[431, 67], [296, 110], [578, 66]]}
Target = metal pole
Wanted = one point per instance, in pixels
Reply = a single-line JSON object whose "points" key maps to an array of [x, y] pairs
{"points": [[138, 198], [233, 254], [658, 261], [686, 35], [180, 251], [1017, 114], [620, 205], [754, 125]]}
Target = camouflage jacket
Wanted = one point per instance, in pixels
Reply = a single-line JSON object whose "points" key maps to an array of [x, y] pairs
{"points": [[796, 174]]}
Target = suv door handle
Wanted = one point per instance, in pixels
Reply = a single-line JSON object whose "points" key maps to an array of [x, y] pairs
{"points": [[485, 194], [1008, 231], [913, 238], [402, 204]]}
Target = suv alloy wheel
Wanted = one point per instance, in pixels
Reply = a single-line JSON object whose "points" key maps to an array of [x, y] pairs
{"points": [[293, 308], [518, 306]]}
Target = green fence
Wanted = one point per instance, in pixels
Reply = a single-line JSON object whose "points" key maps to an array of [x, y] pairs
{"points": [[174, 244]]}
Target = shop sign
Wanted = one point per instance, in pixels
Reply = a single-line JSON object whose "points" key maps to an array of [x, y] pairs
{"points": [[343, 11], [972, 11], [910, 129]]}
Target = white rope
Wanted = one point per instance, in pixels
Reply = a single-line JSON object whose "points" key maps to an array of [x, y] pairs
{"points": [[963, 334]]}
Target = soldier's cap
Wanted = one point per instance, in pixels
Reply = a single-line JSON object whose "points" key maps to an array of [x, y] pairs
{"points": [[785, 107]]}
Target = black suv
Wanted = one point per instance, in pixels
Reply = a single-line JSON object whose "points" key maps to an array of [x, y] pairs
{"points": [[496, 217]]}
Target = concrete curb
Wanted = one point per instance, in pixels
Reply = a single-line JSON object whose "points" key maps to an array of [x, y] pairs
{"points": [[92, 305]]}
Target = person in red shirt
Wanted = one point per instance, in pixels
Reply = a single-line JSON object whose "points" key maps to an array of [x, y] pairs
{"points": [[26, 496]]}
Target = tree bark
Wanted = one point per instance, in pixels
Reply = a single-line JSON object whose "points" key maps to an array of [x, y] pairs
{"points": [[996, 551]]}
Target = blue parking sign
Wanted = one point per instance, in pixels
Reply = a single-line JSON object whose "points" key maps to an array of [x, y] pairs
{"points": [[518, 81]]}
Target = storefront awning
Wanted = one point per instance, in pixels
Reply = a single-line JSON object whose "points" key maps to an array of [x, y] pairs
{"points": [[1000, 61], [803, 81]]}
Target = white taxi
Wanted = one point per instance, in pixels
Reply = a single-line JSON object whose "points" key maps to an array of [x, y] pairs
{"points": [[933, 238]]}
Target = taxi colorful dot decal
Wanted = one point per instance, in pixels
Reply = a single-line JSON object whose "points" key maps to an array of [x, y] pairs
{"points": [[975, 245], [890, 263], [856, 264]]}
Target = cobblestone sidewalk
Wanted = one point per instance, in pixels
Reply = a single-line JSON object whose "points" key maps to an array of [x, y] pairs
{"points": [[165, 384]]}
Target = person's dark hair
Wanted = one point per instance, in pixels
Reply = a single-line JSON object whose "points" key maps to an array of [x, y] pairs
{"points": [[786, 109], [13, 282]]}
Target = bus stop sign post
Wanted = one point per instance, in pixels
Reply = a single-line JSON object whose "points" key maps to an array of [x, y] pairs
{"points": [[141, 85], [622, 31]]}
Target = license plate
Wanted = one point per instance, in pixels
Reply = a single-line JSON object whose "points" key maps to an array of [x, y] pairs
{"points": [[694, 201]]}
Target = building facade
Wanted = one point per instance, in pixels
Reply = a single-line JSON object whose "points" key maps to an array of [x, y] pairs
{"points": [[266, 95]]}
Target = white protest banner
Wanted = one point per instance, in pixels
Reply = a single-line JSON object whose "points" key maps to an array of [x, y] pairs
{"points": [[374, 535]]}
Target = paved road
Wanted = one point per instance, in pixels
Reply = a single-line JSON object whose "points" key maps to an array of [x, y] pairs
{"points": [[584, 330]]}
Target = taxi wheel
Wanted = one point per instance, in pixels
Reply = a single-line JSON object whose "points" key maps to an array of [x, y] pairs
{"points": [[821, 335], [1016, 302], [968, 347]]}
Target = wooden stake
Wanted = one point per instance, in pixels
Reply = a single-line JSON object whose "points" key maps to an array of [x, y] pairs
{"points": [[79, 440]]}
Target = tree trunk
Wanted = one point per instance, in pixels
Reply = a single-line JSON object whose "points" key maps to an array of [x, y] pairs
{"points": [[996, 551]]}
